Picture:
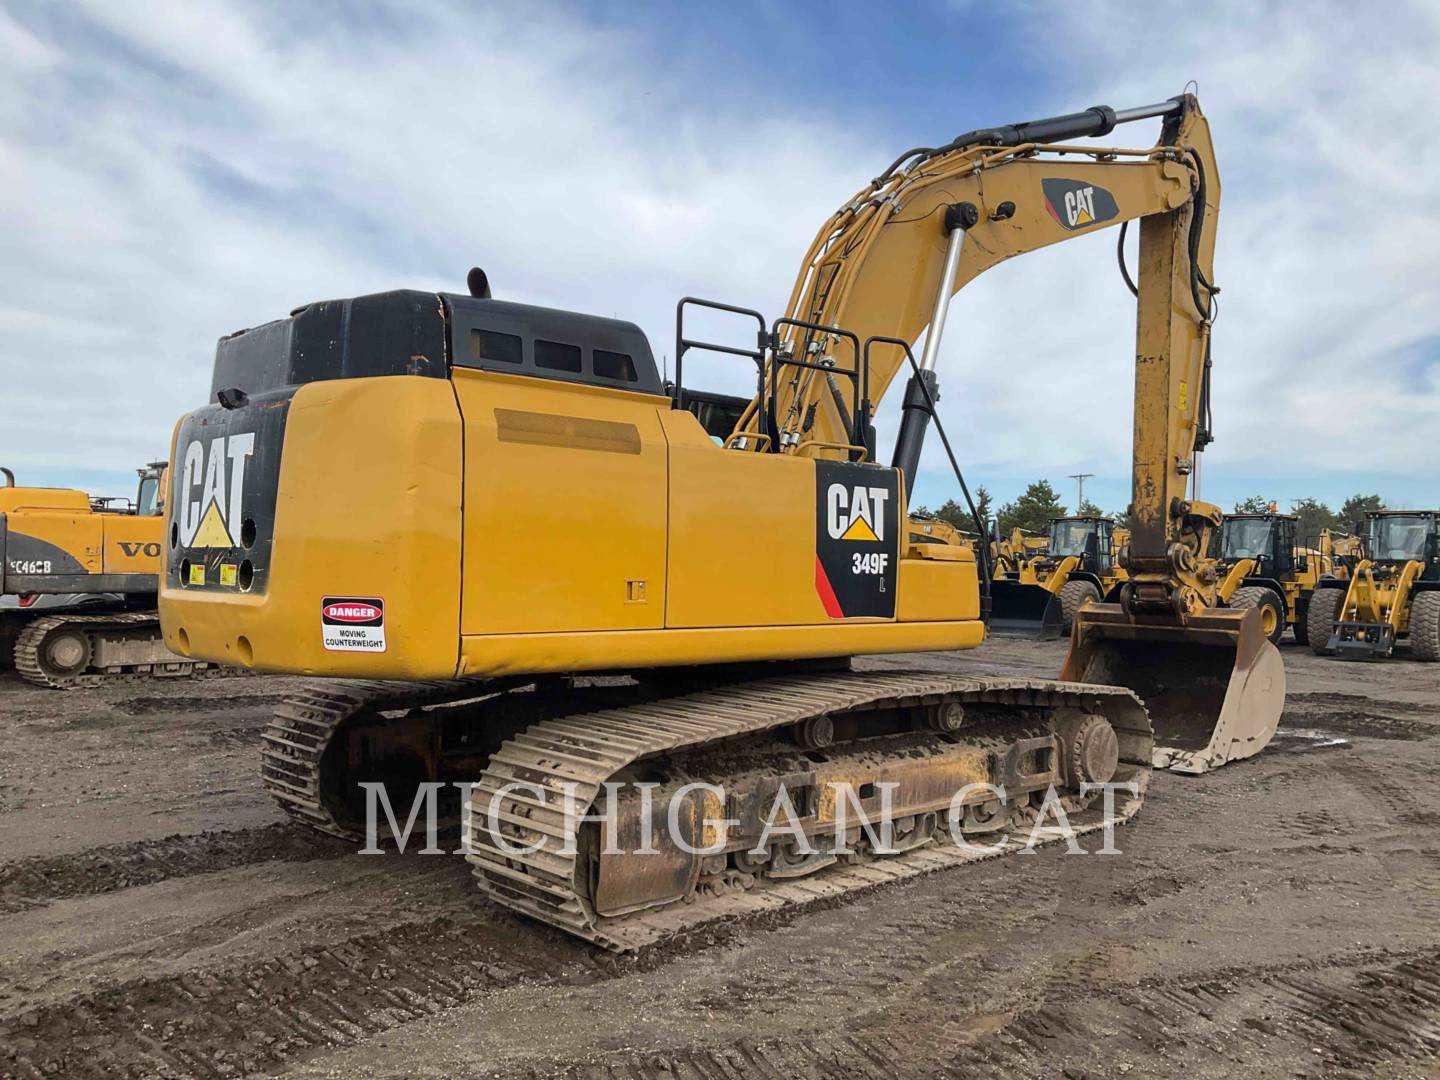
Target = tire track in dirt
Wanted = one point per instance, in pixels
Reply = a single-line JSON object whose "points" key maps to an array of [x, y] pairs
{"points": [[265, 1013], [1360, 1014], [27, 883], [253, 1017]]}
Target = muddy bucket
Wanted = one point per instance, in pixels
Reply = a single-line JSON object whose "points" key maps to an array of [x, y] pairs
{"points": [[1214, 686], [1024, 610]]}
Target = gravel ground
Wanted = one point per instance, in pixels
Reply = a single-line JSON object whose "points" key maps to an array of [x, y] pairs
{"points": [[1278, 918]]}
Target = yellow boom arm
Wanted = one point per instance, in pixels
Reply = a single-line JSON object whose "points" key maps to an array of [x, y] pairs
{"points": [[887, 263]]}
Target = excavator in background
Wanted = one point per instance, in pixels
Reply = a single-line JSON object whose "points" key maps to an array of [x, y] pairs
{"points": [[78, 581], [370, 494], [1041, 591], [1392, 595], [930, 529], [1008, 553], [1264, 568]]}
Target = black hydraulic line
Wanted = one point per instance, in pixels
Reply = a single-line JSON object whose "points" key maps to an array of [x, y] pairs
{"points": [[919, 151], [1120, 258], [982, 553]]}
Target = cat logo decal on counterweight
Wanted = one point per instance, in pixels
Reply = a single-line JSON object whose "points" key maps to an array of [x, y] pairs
{"points": [[857, 531], [212, 481], [1074, 204]]}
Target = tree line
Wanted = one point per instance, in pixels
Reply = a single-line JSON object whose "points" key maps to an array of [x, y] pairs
{"points": [[1034, 508], [1314, 516], [1031, 510]]}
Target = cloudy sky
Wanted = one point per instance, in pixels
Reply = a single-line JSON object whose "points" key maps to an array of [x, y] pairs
{"points": [[172, 172]]}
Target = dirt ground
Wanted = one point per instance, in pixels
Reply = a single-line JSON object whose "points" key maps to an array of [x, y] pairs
{"points": [[1279, 918]]}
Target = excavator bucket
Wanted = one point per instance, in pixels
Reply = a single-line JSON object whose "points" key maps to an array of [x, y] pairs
{"points": [[1214, 685], [1026, 610]]}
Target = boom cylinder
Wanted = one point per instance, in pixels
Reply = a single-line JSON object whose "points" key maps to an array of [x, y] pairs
{"points": [[915, 409], [1092, 123]]}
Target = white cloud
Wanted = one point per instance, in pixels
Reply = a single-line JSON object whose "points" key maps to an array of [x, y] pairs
{"points": [[169, 173], [1328, 344], [208, 167]]}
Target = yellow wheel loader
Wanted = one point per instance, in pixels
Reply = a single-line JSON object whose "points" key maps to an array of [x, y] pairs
{"points": [[1042, 591], [373, 494], [1392, 596], [1264, 569], [78, 583]]}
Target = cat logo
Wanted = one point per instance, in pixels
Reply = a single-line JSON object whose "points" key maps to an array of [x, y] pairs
{"points": [[1075, 204], [211, 484], [858, 529], [856, 513]]}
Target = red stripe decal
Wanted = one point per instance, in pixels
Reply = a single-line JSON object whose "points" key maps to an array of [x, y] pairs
{"points": [[1053, 213], [827, 594]]}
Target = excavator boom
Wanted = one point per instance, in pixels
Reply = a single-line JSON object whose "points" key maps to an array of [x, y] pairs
{"points": [[886, 265]]}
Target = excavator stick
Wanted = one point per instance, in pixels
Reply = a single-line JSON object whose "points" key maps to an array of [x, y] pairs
{"points": [[1028, 610], [1213, 684]]}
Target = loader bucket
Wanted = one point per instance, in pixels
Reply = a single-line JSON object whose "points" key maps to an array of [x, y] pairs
{"points": [[1214, 685], [1026, 610]]}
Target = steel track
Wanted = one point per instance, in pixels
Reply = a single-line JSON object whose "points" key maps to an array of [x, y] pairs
{"points": [[27, 651]]}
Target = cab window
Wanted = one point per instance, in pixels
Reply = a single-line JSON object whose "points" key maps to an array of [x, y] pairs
{"points": [[613, 365], [147, 502], [553, 356], [503, 348]]}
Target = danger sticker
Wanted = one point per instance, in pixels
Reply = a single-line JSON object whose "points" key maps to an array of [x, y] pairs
{"points": [[353, 623]]}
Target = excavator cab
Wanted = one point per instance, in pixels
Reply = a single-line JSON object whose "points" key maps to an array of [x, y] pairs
{"points": [[150, 495]]}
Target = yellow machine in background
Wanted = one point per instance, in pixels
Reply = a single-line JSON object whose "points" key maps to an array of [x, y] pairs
{"points": [[1010, 551], [1392, 596], [929, 529], [1264, 568], [78, 581], [375, 492], [1078, 563]]}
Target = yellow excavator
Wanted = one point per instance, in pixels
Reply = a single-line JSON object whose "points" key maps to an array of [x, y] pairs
{"points": [[1041, 590], [926, 528], [1008, 552], [78, 582], [375, 491]]}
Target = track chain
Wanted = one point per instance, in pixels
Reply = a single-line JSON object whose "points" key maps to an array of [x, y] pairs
{"points": [[549, 884], [294, 741], [27, 652]]}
